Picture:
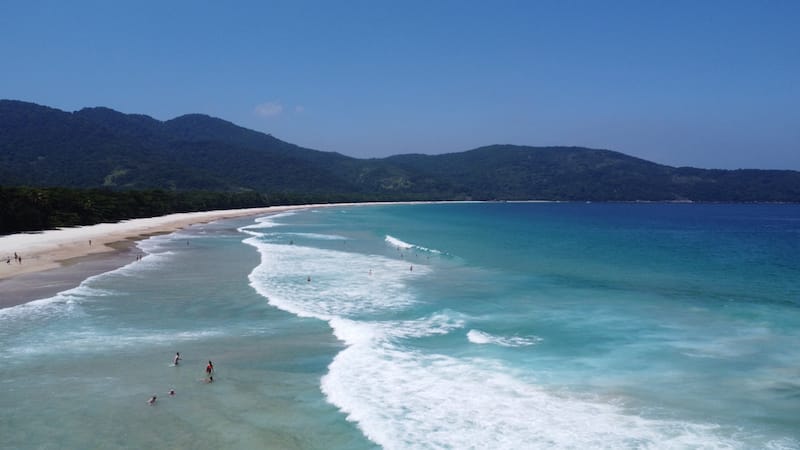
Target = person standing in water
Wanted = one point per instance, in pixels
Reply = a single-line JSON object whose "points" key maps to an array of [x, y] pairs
{"points": [[210, 370], [177, 357]]}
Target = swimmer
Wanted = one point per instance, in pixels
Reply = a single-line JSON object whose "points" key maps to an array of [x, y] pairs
{"points": [[172, 392], [152, 401]]}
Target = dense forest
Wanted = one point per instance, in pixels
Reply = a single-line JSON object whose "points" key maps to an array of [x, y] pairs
{"points": [[33, 209], [95, 164]]}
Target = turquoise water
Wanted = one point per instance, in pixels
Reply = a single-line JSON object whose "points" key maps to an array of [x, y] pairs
{"points": [[499, 325]]}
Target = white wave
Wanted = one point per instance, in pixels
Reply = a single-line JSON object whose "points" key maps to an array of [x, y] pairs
{"points": [[353, 332], [403, 399], [318, 236], [342, 284], [156, 244], [394, 242], [408, 400], [436, 324], [402, 245], [266, 222], [482, 337], [145, 267], [283, 238], [58, 305], [65, 303], [154, 258], [81, 341]]}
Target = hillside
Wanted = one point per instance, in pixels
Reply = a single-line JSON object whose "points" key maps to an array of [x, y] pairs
{"points": [[100, 147]]}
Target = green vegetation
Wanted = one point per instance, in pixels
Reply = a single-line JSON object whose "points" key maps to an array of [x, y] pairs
{"points": [[120, 166], [33, 209]]}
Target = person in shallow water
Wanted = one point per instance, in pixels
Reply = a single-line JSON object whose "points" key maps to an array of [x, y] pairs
{"points": [[177, 357], [209, 368], [152, 401]]}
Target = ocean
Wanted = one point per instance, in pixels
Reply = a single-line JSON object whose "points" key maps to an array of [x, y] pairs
{"points": [[425, 326]]}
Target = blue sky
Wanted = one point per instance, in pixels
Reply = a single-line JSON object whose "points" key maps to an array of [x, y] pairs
{"points": [[712, 84]]}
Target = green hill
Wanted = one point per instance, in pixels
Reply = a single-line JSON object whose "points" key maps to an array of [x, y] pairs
{"points": [[103, 148]]}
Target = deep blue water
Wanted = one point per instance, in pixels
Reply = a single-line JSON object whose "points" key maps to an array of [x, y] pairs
{"points": [[469, 325]]}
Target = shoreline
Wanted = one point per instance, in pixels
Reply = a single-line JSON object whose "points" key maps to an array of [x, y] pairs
{"points": [[57, 260], [31, 286]]}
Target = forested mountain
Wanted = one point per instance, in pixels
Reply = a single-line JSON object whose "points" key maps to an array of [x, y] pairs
{"points": [[100, 147]]}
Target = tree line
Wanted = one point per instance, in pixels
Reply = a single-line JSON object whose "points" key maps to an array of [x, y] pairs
{"points": [[41, 208]]}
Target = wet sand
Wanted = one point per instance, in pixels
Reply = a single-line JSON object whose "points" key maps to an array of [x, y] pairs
{"points": [[56, 260], [47, 283]]}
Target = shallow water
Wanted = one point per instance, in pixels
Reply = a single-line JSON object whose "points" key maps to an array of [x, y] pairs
{"points": [[496, 325]]}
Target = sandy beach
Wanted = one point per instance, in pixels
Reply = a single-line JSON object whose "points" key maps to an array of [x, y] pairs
{"points": [[52, 261]]}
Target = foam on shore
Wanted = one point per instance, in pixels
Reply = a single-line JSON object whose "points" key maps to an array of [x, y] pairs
{"points": [[49, 249], [53, 249]]}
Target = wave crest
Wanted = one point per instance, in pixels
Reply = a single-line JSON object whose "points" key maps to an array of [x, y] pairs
{"points": [[482, 337], [402, 245]]}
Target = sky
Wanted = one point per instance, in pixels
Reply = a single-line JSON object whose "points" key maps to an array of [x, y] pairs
{"points": [[703, 83]]}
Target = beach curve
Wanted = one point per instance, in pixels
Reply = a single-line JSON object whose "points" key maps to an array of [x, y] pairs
{"points": [[44, 255]]}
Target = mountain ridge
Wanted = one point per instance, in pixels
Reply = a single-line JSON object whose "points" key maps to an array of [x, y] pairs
{"points": [[100, 147]]}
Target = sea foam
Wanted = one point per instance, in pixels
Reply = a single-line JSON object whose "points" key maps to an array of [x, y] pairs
{"points": [[326, 284], [482, 337], [407, 398], [402, 245]]}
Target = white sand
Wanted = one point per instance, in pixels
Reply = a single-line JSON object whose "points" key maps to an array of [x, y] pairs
{"points": [[46, 250]]}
